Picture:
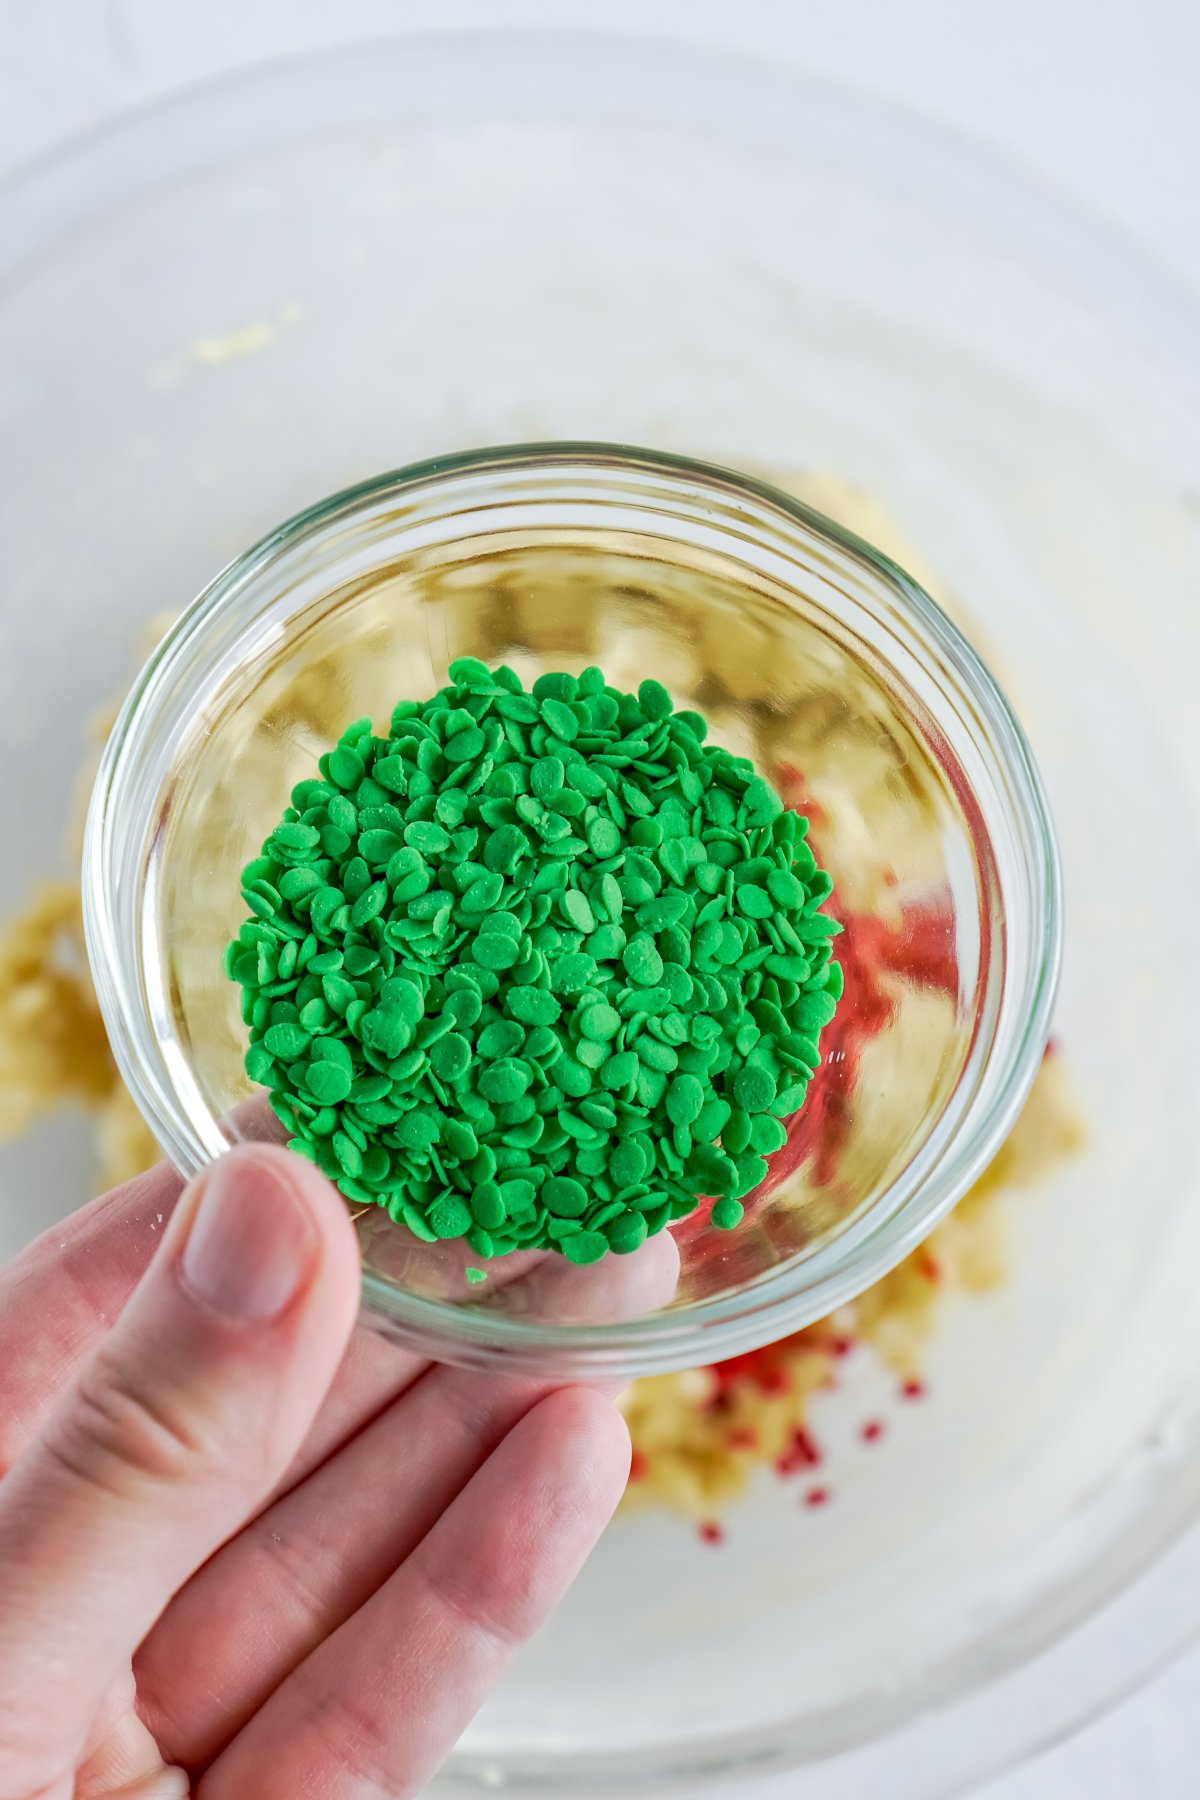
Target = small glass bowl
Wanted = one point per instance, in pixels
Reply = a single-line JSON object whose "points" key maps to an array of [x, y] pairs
{"points": [[806, 650]]}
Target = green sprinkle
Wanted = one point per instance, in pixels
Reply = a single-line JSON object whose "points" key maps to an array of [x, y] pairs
{"points": [[611, 897], [518, 1196], [754, 1088], [642, 960], [712, 1171], [788, 968], [417, 1131], [570, 973], [785, 890], [619, 1070], [503, 1038], [348, 1153], [600, 1022], [385, 1031], [547, 776], [534, 1006], [429, 839], [627, 1232], [449, 1218], [450, 1057], [736, 1136], [260, 1065], [483, 893], [487, 1206], [561, 720], [712, 1119], [606, 943], [536, 969], [767, 1134], [565, 1197], [405, 996], [391, 773], [327, 1083], [464, 1007], [292, 843], [345, 767], [656, 702], [474, 1276], [606, 1213], [814, 1010], [584, 1246], [555, 684], [494, 950], [287, 1042], [627, 1164], [415, 1220], [760, 803], [657, 1055], [604, 840], [816, 927], [378, 847], [464, 746], [370, 904], [558, 1229], [572, 1076], [750, 1171], [576, 910], [685, 1098], [755, 902], [504, 1081]]}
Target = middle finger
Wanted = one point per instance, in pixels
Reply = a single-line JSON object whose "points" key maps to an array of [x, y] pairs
{"points": [[314, 1557]]}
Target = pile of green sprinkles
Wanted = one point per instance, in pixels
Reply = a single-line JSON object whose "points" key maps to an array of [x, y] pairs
{"points": [[537, 969]]}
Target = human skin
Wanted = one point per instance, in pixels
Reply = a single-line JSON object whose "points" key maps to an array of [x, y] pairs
{"points": [[244, 1546]]}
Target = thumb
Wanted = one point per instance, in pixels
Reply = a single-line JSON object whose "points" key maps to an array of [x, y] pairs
{"points": [[174, 1432]]}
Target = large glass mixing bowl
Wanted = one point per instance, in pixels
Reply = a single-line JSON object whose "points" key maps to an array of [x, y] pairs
{"points": [[216, 312]]}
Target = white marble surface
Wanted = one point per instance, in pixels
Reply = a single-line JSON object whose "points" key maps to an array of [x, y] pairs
{"points": [[1098, 94]]}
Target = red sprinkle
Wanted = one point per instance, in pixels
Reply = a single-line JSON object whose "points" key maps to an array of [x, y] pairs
{"points": [[711, 1533], [930, 1267], [872, 1431], [762, 1367], [817, 1497], [742, 1438], [637, 1466], [841, 1346], [802, 1453], [913, 1389]]}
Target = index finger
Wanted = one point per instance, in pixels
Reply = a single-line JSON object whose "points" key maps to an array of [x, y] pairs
{"points": [[63, 1292]]}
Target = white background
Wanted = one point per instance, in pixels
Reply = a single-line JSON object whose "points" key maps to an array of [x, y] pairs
{"points": [[1100, 95]]}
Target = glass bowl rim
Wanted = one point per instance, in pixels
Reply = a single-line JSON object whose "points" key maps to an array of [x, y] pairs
{"points": [[777, 1303]]}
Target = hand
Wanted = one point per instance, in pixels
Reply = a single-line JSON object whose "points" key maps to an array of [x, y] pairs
{"points": [[237, 1557]]}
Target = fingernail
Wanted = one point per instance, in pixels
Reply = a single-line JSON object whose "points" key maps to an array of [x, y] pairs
{"points": [[252, 1243]]}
